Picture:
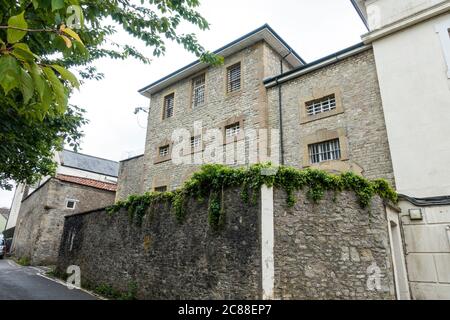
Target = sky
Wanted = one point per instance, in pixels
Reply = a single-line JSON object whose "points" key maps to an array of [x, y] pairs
{"points": [[313, 28]]}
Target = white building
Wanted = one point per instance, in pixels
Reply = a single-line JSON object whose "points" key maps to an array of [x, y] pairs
{"points": [[411, 41], [70, 164]]}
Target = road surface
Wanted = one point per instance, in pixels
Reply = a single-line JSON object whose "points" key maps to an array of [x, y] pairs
{"points": [[28, 283]]}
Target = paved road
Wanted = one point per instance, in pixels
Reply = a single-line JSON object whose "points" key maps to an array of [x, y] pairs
{"points": [[25, 283]]}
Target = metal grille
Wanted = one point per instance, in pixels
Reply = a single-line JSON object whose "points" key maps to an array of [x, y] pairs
{"points": [[234, 78], [198, 91], [233, 130], [196, 142], [320, 106], [168, 106], [325, 151], [164, 151]]}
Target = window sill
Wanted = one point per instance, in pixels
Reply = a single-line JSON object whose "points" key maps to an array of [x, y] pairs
{"points": [[316, 117]]}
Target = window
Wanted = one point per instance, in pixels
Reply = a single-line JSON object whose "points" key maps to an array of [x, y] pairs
{"points": [[234, 78], [164, 151], [321, 105], [198, 91], [233, 130], [324, 151], [161, 189], [168, 106], [196, 142], [70, 204]]}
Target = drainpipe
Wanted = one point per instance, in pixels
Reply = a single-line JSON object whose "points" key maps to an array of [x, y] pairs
{"points": [[280, 109]]}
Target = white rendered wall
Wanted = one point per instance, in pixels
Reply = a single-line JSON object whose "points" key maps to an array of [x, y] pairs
{"points": [[383, 12], [415, 89]]}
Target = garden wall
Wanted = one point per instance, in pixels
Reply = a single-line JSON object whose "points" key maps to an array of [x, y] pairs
{"points": [[320, 251]]}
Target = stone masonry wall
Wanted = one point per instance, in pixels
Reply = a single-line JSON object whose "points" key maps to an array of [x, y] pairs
{"points": [[165, 259], [41, 218], [257, 62], [324, 250], [130, 177], [362, 123]]}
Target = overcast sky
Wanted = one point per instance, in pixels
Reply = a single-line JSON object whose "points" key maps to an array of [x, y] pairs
{"points": [[313, 28]]}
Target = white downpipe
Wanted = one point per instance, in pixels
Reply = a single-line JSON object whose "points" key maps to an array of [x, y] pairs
{"points": [[267, 243]]}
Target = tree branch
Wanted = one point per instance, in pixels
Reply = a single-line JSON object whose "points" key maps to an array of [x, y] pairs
{"points": [[29, 30]]}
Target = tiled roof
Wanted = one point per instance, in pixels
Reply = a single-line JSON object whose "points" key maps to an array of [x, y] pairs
{"points": [[89, 163], [88, 182]]}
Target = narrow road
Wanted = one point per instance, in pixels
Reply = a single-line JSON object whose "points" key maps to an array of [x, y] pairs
{"points": [[26, 283]]}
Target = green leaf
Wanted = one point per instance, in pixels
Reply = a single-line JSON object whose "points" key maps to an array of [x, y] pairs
{"points": [[22, 52], [67, 75], [14, 35], [38, 79], [72, 33], [57, 4], [35, 4], [26, 86], [10, 72], [58, 89]]}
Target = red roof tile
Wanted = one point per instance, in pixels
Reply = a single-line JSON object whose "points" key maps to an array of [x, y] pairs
{"points": [[88, 182]]}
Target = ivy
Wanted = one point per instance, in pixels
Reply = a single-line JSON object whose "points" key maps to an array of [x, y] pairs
{"points": [[211, 181]]}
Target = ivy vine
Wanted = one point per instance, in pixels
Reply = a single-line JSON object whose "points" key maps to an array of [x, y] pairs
{"points": [[211, 181]]}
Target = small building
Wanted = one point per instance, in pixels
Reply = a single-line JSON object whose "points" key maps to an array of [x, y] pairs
{"points": [[82, 183]]}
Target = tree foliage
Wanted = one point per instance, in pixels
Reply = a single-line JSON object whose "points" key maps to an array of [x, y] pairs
{"points": [[40, 40]]}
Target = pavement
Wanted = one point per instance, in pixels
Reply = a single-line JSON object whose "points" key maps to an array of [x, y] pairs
{"points": [[31, 283]]}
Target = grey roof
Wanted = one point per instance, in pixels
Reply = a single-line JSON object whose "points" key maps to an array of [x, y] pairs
{"points": [[4, 212], [89, 163], [265, 32]]}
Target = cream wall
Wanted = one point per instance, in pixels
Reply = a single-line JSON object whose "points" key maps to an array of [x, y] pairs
{"points": [[383, 12], [415, 90], [427, 251]]}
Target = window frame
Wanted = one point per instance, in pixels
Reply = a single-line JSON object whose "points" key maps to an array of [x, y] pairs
{"points": [[324, 151], [71, 201], [227, 78], [318, 95], [158, 158], [324, 135], [193, 88], [164, 109]]}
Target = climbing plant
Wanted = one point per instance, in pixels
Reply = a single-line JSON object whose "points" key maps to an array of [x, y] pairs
{"points": [[210, 182]]}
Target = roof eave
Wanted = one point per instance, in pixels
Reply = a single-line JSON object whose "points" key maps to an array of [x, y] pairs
{"points": [[295, 59]]}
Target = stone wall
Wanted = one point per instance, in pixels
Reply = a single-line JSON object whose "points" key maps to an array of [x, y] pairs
{"points": [[41, 218], [168, 260], [130, 177], [321, 250], [258, 62], [324, 250], [360, 123]]}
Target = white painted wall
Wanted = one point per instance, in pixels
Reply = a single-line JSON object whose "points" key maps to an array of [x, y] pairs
{"points": [[415, 89], [383, 12], [427, 246], [15, 206]]}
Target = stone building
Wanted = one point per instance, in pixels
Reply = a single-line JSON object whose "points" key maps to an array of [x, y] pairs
{"points": [[82, 183], [331, 115]]}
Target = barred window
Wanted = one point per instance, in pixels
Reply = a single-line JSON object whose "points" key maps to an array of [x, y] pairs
{"points": [[321, 105], [161, 189], [232, 130], [324, 151], [234, 78], [196, 142], [164, 151], [198, 91], [168, 106]]}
